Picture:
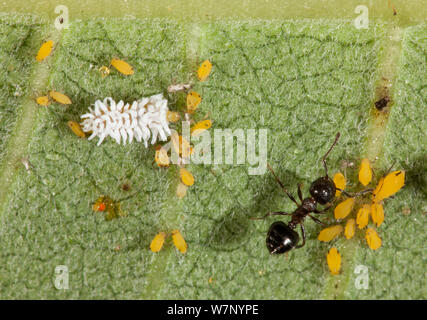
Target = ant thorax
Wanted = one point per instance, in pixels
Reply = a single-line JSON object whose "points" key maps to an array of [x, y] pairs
{"points": [[309, 205]]}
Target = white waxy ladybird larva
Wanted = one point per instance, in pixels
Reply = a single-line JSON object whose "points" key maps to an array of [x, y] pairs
{"points": [[122, 66], [76, 128], [44, 51], [59, 97], [334, 261], [141, 120], [179, 241], [157, 242], [204, 70]]}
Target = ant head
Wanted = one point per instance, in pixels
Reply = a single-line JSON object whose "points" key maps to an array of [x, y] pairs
{"points": [[309, 204], [281, 238], [323, 190]]}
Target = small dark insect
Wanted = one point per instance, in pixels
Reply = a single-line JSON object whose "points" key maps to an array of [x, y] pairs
{"points": [[382, 103], [61, 20], [125, 186], [282, 238]]}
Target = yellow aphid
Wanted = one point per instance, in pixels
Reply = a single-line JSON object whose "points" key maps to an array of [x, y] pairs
{"points": [[372, 238], [59, 97], [161, 157], [365, 172], [330, 233], [201, 126], [204, 70], [334, 261], [181, 145], [178, 241], [76, 128], [181, 190], [344, 208], [339, 181], [377, 212], [362, 217], [122, 66], [105, 71], [186, 177], [350, 229], [43, 101], [45, 50], [193, 101], [158, 241], [389, 185], [172, 116]]}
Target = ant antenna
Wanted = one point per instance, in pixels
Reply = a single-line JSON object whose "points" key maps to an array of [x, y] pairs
{"points": [[281, 184], [326, 154]]}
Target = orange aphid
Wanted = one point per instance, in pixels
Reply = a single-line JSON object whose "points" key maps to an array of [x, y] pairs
{"points": [[181, 190], [161, 157], [377, 213], [43, 101], [59, 97], [76, 128], [330, 233], [339, 181], [122, 66], [99, 207], [158, 241], [193, 101], [334, 261], [350, 229], [45, 50], [204, 70], [186, 177], [179, 241], [362, 217], [372, 238], [389, 185], [344, 208], [201, 126], [172, 116], [365, 172]]}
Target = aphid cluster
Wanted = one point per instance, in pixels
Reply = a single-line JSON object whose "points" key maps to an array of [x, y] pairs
{"points": [[282, 237]]}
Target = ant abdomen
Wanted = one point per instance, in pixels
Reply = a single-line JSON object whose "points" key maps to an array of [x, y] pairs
{"points": [[281, 238]]}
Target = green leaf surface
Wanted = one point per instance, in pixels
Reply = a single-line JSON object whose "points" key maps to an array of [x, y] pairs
{"points": [[302, 80]]}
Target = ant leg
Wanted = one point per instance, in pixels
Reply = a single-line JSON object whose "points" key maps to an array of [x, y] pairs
{"points": [[354, 195], [277, 213], [303, 237], [281, 184], [300, 192], [326, 154], [316, 220]]}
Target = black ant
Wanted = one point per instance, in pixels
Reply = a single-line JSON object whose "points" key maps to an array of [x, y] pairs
{"points": [[281, 237]]}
